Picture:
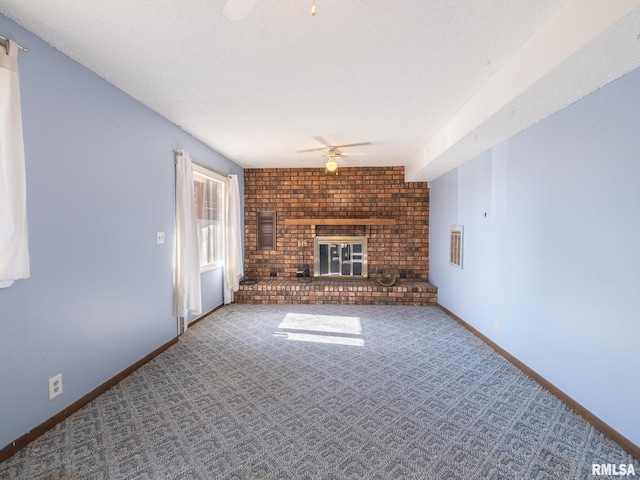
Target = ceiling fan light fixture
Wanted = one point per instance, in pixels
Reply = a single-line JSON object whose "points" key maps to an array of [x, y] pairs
{"points": [[331, 165]]}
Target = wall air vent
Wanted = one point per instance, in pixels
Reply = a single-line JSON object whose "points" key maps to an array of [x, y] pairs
{"points": [[455, 246], [266, 230]]}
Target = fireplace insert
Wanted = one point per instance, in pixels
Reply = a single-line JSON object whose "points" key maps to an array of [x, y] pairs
{"points": [[340, 257]]}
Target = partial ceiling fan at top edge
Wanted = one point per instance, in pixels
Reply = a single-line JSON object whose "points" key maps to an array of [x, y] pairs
{"points": [[238, 10]]}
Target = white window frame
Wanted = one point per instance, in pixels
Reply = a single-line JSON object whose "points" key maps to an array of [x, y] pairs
{"points": [[215, 177]]}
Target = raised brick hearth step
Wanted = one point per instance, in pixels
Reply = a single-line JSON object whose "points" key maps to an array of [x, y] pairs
{"points": [[352, 292]]}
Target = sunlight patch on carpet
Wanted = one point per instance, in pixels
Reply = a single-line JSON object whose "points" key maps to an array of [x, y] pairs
{"points": [[312, 328], [313, 337]]}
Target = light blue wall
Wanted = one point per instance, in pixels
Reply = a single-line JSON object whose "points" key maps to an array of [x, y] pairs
{"points": [[556, 260], [100, 180]]}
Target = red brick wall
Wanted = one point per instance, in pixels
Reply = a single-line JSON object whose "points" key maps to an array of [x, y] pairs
{"points": [[357, 192]]}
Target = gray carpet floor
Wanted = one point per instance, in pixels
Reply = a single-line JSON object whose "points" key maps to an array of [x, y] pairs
{"points": [[322, 392]]}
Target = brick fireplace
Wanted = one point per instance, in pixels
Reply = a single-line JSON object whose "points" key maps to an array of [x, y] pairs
{"points": [[307, 203]]}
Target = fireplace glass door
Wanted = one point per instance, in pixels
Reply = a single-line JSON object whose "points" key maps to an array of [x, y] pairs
{"points": [[344, 257]]}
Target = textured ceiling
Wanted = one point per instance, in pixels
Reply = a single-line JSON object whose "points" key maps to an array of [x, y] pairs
{"points": [[428, 83]]}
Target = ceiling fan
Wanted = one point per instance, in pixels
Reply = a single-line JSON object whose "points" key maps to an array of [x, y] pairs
{"points": [[239, 9], [333, 152]]}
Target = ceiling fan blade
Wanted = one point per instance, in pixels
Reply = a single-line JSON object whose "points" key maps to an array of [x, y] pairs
{"points": [[328, 148], [238, 10], [353, 145], [353, 154], [312, 150], [322, 140]]}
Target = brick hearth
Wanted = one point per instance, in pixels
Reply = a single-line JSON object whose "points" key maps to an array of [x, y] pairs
{"points": [[350, 292]]}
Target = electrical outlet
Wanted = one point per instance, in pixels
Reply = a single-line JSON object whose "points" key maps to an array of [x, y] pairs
{"points": [[160, 238], [55, 386], [496, 327]]}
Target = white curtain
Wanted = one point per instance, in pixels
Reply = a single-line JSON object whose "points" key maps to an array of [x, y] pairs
{"points": [[233, 265], [14, 251], [188, 298]]}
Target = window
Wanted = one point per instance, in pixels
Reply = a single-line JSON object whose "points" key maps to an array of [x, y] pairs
{"points": [[455, 246], [209, 192], [266, 230]]}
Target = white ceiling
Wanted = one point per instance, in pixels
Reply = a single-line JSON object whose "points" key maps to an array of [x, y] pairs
{"points": [[429, 84]]}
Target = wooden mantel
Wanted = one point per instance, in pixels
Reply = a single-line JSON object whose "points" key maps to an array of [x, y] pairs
{"points": [[340, 221]]}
